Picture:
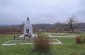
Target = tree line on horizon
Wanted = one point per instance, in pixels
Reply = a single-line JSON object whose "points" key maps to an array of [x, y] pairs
{"points": [[72, 25], [57, 27]]}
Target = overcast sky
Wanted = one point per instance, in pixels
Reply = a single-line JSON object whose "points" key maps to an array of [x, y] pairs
{"points": [[40, 11]]}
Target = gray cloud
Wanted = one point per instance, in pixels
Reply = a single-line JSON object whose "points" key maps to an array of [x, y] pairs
{"points": [[40, 11]]}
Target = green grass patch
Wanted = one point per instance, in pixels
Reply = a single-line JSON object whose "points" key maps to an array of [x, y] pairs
{"points": [[69, 47], [26, 41], [5, 38]]}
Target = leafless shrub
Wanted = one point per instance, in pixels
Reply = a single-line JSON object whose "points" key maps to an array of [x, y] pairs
{"points": [[41, 43], [79, 40]]}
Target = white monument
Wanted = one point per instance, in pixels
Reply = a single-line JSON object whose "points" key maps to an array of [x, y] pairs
{"points": [[27, 30]]}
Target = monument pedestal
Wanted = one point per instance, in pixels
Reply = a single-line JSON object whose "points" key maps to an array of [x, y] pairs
{"points": [[26, 37]]}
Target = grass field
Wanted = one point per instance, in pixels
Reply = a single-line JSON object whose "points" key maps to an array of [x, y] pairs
{"points": [[69, 47]]}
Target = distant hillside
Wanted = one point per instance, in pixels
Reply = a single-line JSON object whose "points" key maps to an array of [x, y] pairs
{"points": [[43, 26], [9, 26], [36, 27], [81, 25]]}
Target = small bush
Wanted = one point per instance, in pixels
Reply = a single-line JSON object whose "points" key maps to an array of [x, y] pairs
{"points": [[79, 40], [41, 43]]}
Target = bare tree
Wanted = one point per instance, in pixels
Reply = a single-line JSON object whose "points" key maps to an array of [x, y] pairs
{"points": [[71, 23]]}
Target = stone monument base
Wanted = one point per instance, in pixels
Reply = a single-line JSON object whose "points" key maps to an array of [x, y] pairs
{"points": [[25, 36]]}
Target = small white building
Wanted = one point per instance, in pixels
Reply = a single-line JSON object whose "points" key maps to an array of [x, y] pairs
{"points": [[27, 30]]}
